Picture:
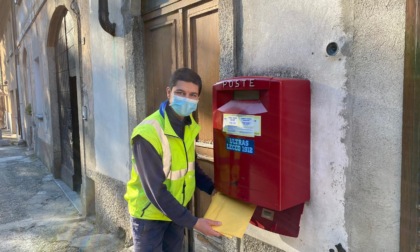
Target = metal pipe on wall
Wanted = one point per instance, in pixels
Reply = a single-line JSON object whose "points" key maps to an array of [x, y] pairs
{"points": [[16, 79], [104, 17]]}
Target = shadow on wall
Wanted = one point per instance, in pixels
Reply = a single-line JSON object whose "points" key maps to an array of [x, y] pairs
{"points": [[339, 248]]}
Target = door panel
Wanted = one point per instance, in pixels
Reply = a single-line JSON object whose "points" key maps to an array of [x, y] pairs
{"points": [[77, 166], [204, 54], [203, 57], [70, 170], [65, 108], [410, 174], [163, 56]]}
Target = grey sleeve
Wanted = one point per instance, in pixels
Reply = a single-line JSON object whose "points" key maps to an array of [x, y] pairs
{"points": [[150, 169], [204, 182]]}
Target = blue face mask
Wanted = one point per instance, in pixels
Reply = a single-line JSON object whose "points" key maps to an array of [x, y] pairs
{"points": [[183, 106]]}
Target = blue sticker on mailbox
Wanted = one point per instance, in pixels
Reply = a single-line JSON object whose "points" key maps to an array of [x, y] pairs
{"points": [[240, 145]]}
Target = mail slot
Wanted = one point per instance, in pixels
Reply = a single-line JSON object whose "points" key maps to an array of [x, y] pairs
{"points": [[261, 128]]}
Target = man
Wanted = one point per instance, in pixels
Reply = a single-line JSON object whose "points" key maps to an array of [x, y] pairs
{"points": [[165, 171]]}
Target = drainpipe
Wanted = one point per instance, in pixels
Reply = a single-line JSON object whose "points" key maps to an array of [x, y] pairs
{"points": [[104, 18], [16, 59]]}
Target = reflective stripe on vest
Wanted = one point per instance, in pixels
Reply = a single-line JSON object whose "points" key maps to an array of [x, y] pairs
{"points": [[166, 157]]}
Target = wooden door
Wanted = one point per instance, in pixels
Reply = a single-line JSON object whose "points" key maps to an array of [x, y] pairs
{"points": [[184, 33], [163, 54], [410, 174], [70, 169], [203, 56]]}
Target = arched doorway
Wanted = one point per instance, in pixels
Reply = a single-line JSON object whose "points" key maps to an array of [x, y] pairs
{"points": [[63, 49]]}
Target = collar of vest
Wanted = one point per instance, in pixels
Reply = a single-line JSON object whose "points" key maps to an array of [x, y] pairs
{"points": [[162, 108]]}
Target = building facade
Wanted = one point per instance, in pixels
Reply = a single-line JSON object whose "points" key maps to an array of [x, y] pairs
{"points": [[81, 75]]}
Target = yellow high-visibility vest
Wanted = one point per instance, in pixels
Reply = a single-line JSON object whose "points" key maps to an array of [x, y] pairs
{"points": [[178, 159]]}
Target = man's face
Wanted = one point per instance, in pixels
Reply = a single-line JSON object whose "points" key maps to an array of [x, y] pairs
{"points": [[183, 89]]}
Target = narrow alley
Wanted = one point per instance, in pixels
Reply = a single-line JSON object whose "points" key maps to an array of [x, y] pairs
{"points": [[309, 110], [39, 213]]}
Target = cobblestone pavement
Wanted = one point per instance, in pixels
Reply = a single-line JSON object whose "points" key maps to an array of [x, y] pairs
{"points": [[40, 213], [36, 214]]}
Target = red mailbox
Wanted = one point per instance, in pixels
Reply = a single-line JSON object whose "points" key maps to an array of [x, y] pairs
{"points": [[261, 129]]}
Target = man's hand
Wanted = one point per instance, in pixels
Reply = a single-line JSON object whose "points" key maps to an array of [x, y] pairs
{"points": [[205, 226]]}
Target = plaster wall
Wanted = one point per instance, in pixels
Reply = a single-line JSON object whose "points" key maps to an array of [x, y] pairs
{"points": [[356, 112], [109, 94], [41, 105], [22, 11], [9, 73], [375, 86], [32, 39]]}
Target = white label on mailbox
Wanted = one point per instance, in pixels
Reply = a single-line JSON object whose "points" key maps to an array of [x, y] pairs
{"points": [[242, 125], [257, 125]]}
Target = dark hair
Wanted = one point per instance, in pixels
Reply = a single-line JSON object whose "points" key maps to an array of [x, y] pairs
{"points": [[185, 74]]}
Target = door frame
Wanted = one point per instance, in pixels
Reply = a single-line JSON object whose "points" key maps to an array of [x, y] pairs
{"points": [[53, 31], [409, 222]]}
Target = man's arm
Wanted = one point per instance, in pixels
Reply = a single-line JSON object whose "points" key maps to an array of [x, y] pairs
{"points": [[150, 169], [203, 182]]}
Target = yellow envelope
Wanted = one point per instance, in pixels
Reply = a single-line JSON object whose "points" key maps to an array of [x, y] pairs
{"points": [[234, 215]]}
